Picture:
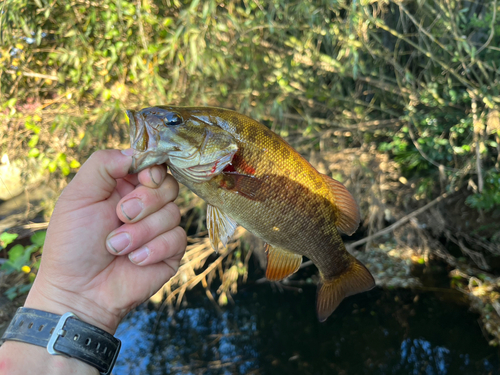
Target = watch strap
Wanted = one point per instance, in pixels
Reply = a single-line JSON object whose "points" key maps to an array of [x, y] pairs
{"points": [[66, 335]]}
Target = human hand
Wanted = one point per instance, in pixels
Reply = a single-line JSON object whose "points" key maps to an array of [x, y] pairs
{"points": [[99, 212]]}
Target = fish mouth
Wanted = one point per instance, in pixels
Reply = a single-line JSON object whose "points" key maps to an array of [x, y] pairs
{"points": [[143, 140], [133, 126]]}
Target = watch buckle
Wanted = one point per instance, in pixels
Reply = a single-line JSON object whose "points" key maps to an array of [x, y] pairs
{"points": [[58, 331]]}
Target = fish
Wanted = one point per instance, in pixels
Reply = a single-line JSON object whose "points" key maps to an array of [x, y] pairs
{"points": [[250, 176]]}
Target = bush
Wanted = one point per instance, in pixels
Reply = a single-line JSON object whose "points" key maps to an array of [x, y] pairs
{"points": [[426, 66]]}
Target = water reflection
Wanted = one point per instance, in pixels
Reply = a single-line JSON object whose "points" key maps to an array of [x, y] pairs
{"points": [[277, 333]]}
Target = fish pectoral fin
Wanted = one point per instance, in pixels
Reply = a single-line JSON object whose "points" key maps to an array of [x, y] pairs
{"points": [[281, 263], [250, 187], [220, 227], [355, 279], [349, 218]]}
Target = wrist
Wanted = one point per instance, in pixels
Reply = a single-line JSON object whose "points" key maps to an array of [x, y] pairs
{"points": [[58, 301]]}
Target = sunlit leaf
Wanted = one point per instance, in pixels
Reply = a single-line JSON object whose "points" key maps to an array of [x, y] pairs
{"points": [[34, 152], [7, 238]]}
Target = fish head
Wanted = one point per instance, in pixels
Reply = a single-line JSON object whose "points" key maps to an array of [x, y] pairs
{"points": [[184, 138]]}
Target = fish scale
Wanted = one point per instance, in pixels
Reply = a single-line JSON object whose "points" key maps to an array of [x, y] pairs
{"points": [[251, 177]]}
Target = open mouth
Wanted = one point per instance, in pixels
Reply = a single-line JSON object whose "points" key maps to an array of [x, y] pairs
{"points": [[146, 152], [139, 137], [138, 141], [133, 126]]}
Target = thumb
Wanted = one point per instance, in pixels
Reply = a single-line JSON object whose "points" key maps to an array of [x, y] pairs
{"points": [[96, 179]]}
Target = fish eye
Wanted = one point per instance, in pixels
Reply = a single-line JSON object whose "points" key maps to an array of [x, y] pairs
{"points": [[172, 119]]}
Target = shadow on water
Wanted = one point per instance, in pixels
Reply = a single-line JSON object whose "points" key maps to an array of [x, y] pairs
{"points": [[267, 332]]}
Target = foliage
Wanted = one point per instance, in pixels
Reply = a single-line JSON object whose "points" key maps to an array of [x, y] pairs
{"points": [[419, 77], [20, 259], [490, 196]]}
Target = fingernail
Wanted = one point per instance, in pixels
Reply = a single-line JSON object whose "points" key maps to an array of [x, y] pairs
{"points": [[131, 208], [155, 174], [128, 152], [119, 242], [139, 256]]}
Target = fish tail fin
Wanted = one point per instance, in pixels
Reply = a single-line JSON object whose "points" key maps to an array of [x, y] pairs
{"points": [[355, 279]]}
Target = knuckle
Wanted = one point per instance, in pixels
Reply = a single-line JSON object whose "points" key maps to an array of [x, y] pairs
{"points": [[99, 155], [136, 239], [172, 239], [171, 185], [161, 171], [165, 242], [174, 213], [143, 175], [181, 236], [171, 243]]}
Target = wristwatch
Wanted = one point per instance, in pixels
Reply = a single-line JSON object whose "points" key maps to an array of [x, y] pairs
{"points": [[65, 335]]}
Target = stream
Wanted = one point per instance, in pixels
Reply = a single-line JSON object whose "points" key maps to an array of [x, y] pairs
{"points": [[267, 331]]}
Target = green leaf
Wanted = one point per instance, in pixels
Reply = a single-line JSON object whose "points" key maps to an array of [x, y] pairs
{"points": [[10, 103], [33, 153], [17, 290], [52, 166], [70, 33], [106, 95], [32, 126], [33, 141], [36, 265], [7, 238], [16, 252], [194, 5], [74, 164], [63, 164], [11, 293], [28, 250], [38, 238], [167, 21]]}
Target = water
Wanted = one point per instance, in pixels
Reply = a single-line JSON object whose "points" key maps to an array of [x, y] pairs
{"points": [[271, 332]]}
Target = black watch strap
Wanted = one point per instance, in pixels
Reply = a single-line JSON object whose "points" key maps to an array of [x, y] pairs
{"points": [[66, 335]]}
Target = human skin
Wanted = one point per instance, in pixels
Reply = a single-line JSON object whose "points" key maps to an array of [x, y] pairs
{"points": [[81, 270]]}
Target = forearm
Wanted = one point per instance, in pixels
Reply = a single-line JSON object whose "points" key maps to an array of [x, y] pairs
{"points": [[18, 358]]}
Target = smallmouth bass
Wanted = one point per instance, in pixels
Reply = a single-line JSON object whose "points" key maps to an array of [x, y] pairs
{"points": [[250, 176]]}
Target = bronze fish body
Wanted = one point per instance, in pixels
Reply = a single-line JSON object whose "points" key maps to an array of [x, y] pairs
{"points": [[250, 176]]}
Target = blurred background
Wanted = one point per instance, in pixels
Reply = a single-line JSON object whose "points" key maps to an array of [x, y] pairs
{"points": [[399, 100]]}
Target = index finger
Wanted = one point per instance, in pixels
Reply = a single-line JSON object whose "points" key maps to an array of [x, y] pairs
{"points": [[96, 179]]}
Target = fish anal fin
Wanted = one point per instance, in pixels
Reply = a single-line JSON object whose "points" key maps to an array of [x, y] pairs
{"points": [[355, 279], [220, 227], [281, 263], [349, 217]]}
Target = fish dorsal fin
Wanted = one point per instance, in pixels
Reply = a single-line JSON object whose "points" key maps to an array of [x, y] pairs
{"points": [[348, 220], [220, 227], [281, 263], [355, 279]]}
